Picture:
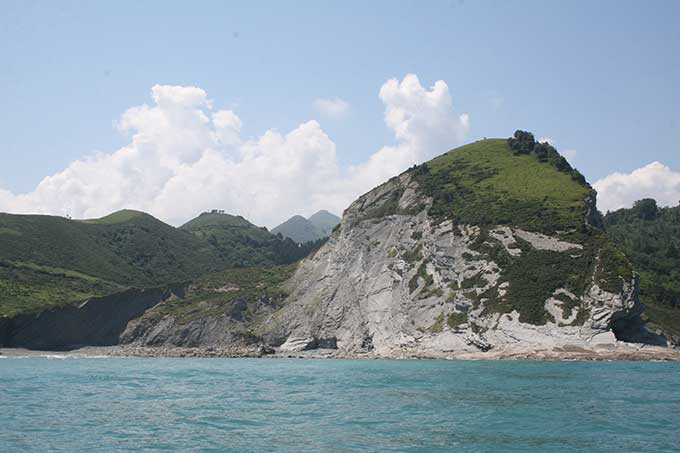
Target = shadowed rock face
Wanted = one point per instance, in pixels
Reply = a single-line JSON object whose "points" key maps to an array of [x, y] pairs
{"points": [[632, 329], [5, 325], [95, 322]]}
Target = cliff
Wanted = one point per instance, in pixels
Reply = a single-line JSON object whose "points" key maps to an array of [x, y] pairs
{"points": [[465, 255]]}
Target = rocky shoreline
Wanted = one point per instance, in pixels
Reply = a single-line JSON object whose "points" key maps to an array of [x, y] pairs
{"points": [[621, 352]]}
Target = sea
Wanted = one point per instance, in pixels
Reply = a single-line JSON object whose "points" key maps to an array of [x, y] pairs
{"points": [[61, 403]]}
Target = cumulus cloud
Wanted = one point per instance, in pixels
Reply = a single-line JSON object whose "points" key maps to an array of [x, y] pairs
{"points": [[184, 157], [331, 107], [655, 180]]}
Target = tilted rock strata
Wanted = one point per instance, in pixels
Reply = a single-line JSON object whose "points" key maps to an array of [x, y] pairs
{"points": [[399, 283]]}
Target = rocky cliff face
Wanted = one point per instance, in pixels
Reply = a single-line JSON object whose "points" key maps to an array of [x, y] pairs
{"points": [[406, 284], [220, 325]]}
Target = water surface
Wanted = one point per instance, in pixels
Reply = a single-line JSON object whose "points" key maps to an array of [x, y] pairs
{"points": [[79, 404]]}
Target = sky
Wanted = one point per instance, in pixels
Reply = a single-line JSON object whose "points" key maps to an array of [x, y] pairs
{"points": [[270, 109]]}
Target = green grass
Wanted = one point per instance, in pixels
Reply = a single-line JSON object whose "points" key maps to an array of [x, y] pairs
{"points": [[52, 270], [454, 319], [27, 288], [438, 325], [414, 255], [217, 293], [484, 183], [487, 184], [10, 232], [613, 268]]}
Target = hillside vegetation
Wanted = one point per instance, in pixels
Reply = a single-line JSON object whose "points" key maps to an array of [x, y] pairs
{"points": [[130, 248], [650, 237], [234, 291], [47, 261], [242, 244]]}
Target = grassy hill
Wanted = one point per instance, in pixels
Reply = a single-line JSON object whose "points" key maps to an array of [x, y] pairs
{"points": [[47, 260], [650, 237], [213, 294], [489, 183], [127, 247]]}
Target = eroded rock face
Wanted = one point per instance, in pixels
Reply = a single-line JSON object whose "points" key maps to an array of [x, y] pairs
{"points": [[392, 281], [217, 325]]}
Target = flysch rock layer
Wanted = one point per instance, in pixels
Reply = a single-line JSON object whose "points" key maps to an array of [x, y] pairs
{"points": [[387, 286]]}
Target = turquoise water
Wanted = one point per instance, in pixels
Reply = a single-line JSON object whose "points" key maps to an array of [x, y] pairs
{"points": [[337, 405]]}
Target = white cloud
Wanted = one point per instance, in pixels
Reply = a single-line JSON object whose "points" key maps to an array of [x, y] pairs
{"points": [[183, 158], [424, 125], [547, 139], [655, 180], [331, 107]]}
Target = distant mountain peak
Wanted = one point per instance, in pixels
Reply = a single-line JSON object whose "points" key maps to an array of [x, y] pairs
{"points": [[319, 225]]}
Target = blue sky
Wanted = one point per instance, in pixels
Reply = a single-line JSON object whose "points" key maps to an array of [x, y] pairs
{"points": [[599, 78]]}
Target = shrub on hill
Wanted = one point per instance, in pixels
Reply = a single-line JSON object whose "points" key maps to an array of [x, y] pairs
{"points": [[524, 143]]}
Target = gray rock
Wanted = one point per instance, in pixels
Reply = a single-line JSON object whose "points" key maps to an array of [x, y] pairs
{"points": [[391, 279]]}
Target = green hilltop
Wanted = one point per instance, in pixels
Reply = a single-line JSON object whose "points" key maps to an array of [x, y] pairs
{"points": [[489, 182]]}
